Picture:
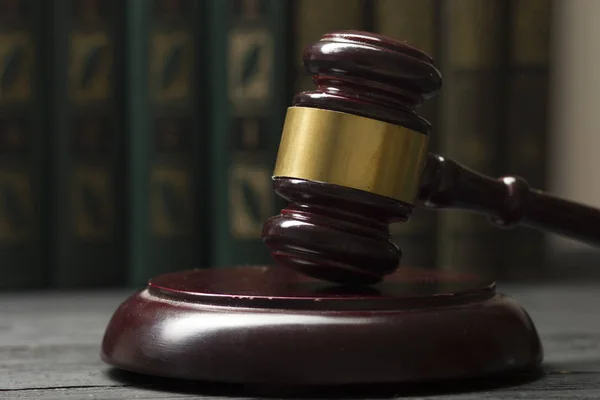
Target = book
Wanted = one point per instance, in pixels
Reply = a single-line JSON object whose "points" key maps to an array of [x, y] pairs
{"points": [[87, 143], [23, 150], [249, 92], [167, 108]]}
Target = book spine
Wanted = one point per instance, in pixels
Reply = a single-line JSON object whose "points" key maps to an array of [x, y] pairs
{"points": [[526, 136], [249, 94], [87, 143], [470, 124], [167, 130], [22, 146], [417, 24]]}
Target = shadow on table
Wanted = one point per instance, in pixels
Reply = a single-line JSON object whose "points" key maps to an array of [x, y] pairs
{"points": [[322, 392]]}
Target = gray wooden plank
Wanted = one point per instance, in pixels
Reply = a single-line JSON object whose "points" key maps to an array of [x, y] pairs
{"points": [[555, 386], [573, 351], [566, 316], [109, 393], [27, 367], [52, 339], [56, 317], [570, 308]]}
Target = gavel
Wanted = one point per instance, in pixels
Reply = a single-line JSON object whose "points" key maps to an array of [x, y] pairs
{"points": [[353, 158]]}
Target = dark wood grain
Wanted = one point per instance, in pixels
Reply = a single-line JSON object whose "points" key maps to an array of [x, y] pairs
{"points": [[40, 318]]}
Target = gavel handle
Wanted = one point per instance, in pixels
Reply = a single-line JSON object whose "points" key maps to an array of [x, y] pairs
{"points": [[508, 201]]}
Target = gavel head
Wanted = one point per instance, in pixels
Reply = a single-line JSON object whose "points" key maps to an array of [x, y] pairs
{"points": [[350, 158]]}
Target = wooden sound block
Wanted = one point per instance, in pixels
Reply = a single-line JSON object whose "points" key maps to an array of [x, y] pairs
{"points": [[270, 325]]}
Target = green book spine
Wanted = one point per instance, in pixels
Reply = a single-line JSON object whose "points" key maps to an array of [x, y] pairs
{"points": [[249, 92], [526, 137], [22, 146], [87, 233], [167, 130], [416, 23], [471, 124]]}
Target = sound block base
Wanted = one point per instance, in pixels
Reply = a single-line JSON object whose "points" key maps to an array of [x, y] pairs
{"points": [[270, 325]]}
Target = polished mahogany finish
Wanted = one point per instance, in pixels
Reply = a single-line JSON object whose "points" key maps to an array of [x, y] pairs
{"points": [[341, 234], [370, 75], [270, 325], [336, 233], [508, 201]]}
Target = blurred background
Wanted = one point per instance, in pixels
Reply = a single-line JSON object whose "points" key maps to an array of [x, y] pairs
{"points": [[138, 137]]}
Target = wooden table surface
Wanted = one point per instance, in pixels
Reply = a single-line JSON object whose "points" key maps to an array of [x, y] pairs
{"points": [[49, 344]]}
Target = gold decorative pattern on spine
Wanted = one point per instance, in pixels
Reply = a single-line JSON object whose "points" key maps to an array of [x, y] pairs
{"points": [[352, 151]]}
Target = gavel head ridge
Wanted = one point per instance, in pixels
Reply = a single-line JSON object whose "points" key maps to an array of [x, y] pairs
{"points": [[351, 157]]}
